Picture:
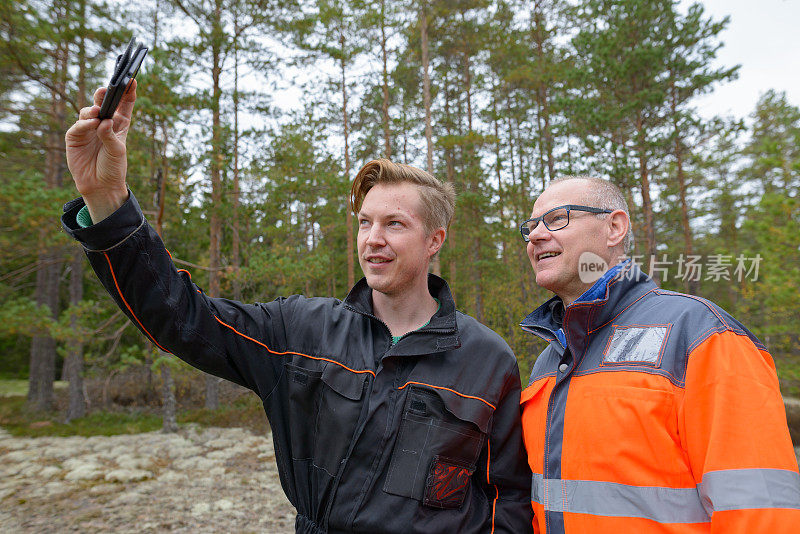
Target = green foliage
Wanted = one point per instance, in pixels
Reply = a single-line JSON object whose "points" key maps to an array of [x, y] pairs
{"points": [[19, 421], [15, 360], [772, 231], [245, 411], [10, 387], [774, 147], [22, 316]]}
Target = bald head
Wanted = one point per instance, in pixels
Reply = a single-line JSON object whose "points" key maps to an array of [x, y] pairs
{"points": [[604, 194]]}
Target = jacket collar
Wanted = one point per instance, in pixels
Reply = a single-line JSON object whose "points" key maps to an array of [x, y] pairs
{"points": [[440, 334], [626, 287]]}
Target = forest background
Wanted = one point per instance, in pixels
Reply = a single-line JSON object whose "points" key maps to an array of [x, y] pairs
{"points": [[496, 97]]}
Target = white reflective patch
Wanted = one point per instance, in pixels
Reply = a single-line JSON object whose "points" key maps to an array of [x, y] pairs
{"points": [[641, 344], [611, 499]]}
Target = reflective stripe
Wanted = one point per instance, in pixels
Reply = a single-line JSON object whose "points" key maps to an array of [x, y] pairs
{"points": [[663, 505], [733, 489], [736, 489]]}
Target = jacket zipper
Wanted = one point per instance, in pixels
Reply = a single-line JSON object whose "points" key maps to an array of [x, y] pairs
{"points": [[359, 429]]}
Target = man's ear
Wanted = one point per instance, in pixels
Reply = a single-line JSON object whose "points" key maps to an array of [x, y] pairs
{"points": [[436, 240], [618, 224]]}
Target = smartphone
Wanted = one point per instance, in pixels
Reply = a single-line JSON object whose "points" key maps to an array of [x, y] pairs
{"points": [[125, 71]]}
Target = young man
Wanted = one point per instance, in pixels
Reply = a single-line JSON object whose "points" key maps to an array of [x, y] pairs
{"points": [[650, 411], [390, 411]]}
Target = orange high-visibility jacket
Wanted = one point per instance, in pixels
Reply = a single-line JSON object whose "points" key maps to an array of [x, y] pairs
{"points": [[662, 414]]}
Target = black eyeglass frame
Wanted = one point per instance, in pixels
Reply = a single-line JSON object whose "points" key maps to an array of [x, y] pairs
{"points": [[525, 231]]}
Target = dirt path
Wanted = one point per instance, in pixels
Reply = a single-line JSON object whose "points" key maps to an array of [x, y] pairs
{"points": [[207, 480]]}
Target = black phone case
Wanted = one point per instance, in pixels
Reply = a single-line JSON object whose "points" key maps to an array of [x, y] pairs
{"points": [[125, 70]]}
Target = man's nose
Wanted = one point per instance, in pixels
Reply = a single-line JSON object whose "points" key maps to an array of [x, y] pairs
{"points": [[539, 233], [375, 235]]}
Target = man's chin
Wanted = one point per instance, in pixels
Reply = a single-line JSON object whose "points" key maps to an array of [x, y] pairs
{"points": [[378, 283], [546, 280]]}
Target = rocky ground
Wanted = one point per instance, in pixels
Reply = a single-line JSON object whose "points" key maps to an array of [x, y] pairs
{"points": [[198, 480]]}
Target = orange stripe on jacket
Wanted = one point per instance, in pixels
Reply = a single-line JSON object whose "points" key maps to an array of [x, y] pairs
{"points": [[128, 306], [224, 324], [295, 353], [496, 490], [450, 390]]}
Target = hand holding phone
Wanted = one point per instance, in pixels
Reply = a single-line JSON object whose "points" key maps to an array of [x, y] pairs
{"points": [[125, 71], [95, 149]]}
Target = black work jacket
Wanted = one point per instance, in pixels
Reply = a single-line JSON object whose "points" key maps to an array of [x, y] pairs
{"points": [[420, 436]]}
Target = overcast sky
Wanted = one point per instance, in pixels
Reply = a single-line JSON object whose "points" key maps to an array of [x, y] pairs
{"points": [[763, 36]]}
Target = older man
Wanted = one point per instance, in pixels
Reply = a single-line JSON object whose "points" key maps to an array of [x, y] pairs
{"points": [[650, 410], [390, 411]]}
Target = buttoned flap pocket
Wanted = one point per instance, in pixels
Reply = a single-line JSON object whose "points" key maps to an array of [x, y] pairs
{"points": [[322, 412], [337, 419], [347, 383], [439, 430]]}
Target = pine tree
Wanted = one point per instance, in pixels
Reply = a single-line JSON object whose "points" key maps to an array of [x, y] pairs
{"points": [[213, 47], [40, 41]]}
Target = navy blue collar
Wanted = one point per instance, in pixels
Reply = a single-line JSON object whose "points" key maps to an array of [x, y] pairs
{"points": [[595, 307], [597, 291]]}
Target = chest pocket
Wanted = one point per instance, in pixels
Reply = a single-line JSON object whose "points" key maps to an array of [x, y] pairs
{"points": [[324, 408], [437, 447]]}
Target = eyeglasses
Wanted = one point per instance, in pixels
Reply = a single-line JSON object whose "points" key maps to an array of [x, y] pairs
{"points": [[555, 219]]}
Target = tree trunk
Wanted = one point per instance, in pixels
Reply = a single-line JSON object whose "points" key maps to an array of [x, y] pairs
{"points": [[235, 261], [73, 363], [426, 88], [690, 285], [387, 142], [43, 346], [511, 160], [169, 421], [525, 204], [647, 204], [543, 100], [436, 265], [474, 186], [450, 172], [498, 166], [351, 272], [168, 404], [168, 416], [157, 178], [76, 406], [215, 235]]}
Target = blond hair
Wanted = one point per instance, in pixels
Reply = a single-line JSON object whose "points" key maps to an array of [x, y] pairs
{"points": [[437, 198]]}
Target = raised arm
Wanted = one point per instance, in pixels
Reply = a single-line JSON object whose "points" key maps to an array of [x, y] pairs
{"points": [[219, 336]]}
